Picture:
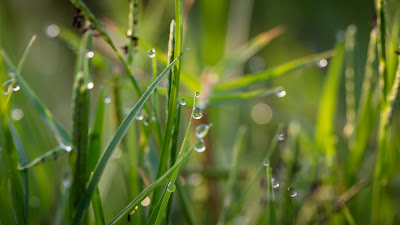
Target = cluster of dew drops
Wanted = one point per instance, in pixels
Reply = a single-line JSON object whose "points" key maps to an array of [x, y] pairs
{"points": [[275, 184]]}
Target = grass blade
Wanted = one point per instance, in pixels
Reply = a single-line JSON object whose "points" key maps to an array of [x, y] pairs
{"points": [[98, 172], [251, 79]]}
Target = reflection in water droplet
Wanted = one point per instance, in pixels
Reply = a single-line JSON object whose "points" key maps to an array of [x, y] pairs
{"points": [[171, 187], [274, 183], [16, 88], [183, 101], [52, 31], [202, 130], [107, 100], [281, 93], [17, 114], [62, 145], [197, 113], [281, 137], [151, 53], [266, 162], [139, 116], [322, 63], [200, 146], [292, 192], [261, 113], [90, 85], [145, 201], [197, 94], [90, 54]]}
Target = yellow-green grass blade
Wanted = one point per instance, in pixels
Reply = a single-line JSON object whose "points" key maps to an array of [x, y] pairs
{"points": [[101, 165], [266, 75]]}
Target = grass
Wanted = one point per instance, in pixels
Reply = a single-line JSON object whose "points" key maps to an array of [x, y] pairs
{"points": [[126, 155]]}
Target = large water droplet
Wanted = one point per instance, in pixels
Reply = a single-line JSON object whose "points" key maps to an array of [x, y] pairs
{"points": [[139, 116], [281, 137], [266, 162], [202, 130], [197, 94], [197, 113], [274, 183], [183, 101], [17, 114], [280, 93], [200, 146], [151, 53], [292, 192], [171, 187]]}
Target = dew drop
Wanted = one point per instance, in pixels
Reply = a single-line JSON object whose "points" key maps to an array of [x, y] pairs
{"points": [[6, 85], [145, 201], [139, 116], [197, 113], [200, 146], [11, 74], [274, 183], [63, 146], [280, 93], [107, 100], [151, 53], [322, 63], [52, 31], [183, 101], [90, 55], [66, 183], [17, 114], [171, 187], [146, 121], [292, 192], [197, 94], [281, 137], [90, 85], [202, 130], [16, 88], [266, 162]]}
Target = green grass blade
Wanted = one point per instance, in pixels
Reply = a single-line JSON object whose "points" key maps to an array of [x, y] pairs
{"points": [[244, 53], [48, 156], [251, 79], [62, 206], [381, 23], [101, 165], [271, 198], [238, 148], [185, 203], [45, 114], [171, 51], [150, 188], [327, 109]]}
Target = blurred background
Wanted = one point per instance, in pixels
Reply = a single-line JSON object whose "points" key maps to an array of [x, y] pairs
{"points": [[212, 29]]}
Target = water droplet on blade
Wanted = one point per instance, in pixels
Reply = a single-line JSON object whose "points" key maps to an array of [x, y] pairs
{"points": [[146, 121], [274, 183], [202, 130], [171, 187], [90, 85], [266, 162], [322, 63], [200, 146], [281, 137], [16, 88], [292, 192], [197, 113], [151, 53], [90, 54], [280, 93], [139, 116], [197, 94], [183, 101]]}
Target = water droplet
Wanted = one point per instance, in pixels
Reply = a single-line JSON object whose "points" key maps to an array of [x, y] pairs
{"points": [[90, 85], [200, 146], [292, 192], [129, 33], [107, 100], [281, 137], [6, 85], [197, 94], [11, 74], [183, 101], [16, 88], [197, 113], [139, 116], [17, 114], [62, 145], [90, 54], [146, 121], [322, 63], [171, 187], [274, 183], [52, 31], [202, 130], [145, 201], [151, 53], [280, 93], [66, 183], [266, 162]]}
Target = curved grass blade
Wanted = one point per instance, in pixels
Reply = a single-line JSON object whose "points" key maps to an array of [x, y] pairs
{"points": [[98, 172], [48, 156], [150, 188], [45, 114], [255, 78]]}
